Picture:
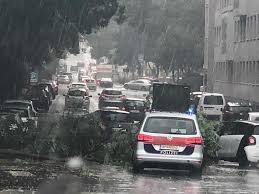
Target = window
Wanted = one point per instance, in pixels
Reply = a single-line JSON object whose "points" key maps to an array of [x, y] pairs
{"points": [[170, 125], [255, 27], [236, 4], [213, 100], [112, 92]]}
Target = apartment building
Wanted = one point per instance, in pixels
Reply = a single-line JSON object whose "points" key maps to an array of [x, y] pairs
{"points": [[235, 67]]}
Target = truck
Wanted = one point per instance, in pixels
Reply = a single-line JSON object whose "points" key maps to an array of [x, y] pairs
{"points": [[171, 98]]}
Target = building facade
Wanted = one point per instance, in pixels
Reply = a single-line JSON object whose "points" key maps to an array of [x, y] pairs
{"points": [[234, 69]]}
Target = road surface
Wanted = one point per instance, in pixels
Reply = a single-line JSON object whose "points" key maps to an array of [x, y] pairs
{"points": [[224, 177]]}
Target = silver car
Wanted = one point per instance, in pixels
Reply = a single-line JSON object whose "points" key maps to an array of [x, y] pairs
{"points": [[168, 140], [140, 84]]}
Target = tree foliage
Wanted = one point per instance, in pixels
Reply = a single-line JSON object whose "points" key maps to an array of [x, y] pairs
{"points": [[167, 32], [30, 30]]}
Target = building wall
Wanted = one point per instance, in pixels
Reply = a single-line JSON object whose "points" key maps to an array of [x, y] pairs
{"points": [[210, 8], [236, 49]]}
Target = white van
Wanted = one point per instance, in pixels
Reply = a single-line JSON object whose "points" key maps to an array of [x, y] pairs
{"points": [[211, 105], [253, 116]]}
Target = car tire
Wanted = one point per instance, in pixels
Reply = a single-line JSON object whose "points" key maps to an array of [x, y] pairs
{"points": [[196, 171], [136, 168], [242, 158]]}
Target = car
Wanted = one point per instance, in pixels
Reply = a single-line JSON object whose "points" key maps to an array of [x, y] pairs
{"points": [[39, 98], [70, 76], [14, 119], [238, 142], [136, 107], [195, 98], [110, 95], [253, 116], [48, 92], [236, 111], [140, 84], [79, 85], [167, 140], [84, 78], [91, 84], [106, 83], [53, 84], [211, 106], [49, 88], [26, 113], [64, 79], [19, 103], [77, 99]]}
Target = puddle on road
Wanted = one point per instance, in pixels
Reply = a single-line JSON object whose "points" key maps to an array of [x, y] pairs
{"points": [[110, 179]]}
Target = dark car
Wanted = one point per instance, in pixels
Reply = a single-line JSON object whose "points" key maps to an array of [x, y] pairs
{"points": [[39, 98], [106, 83], [109, 97], [115, 120], [112, 105], [50, 88], [236, 111], [136, 107]]}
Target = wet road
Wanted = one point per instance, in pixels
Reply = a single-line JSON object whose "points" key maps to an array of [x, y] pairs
{"points": [[224, 178]]}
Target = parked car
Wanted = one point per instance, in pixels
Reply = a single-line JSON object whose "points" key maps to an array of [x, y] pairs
{"points": [[48, 92], [108, 95], [19, 103], [136, 107], [10, 121], [239, 142], [106, 83], [168, 140], [26, 113], [141, 84], [49, 88], [77, 99], [53, 84], [64, 79], [79, 85], [253, 116], [236, 111], [39, 98], [211, 105]]}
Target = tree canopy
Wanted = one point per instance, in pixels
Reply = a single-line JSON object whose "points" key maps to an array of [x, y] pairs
{"points": [[32, 30]]}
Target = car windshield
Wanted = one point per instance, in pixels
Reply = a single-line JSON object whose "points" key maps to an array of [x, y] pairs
{"points": [[16, 104], [113, 104], [112, 92], [213, 100], [110, 116], [240, 109], [22, 112], [77, 93], [134, 103], [170, 125]]}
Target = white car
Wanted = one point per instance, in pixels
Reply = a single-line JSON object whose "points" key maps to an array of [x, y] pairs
{"points": [[212, 105], [253, 116], [79, 85], [169, 140], [239, 142], [140, 84], [77, 99]]}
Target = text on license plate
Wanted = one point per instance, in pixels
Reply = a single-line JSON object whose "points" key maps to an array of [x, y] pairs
{"points": [[135, 111], [169, 152], [169, 147]]}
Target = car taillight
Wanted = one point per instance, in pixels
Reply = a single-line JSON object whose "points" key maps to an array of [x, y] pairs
{"points": [[122, 108], [196, 140], [145, 138], [251, 140], [122, 97]]}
